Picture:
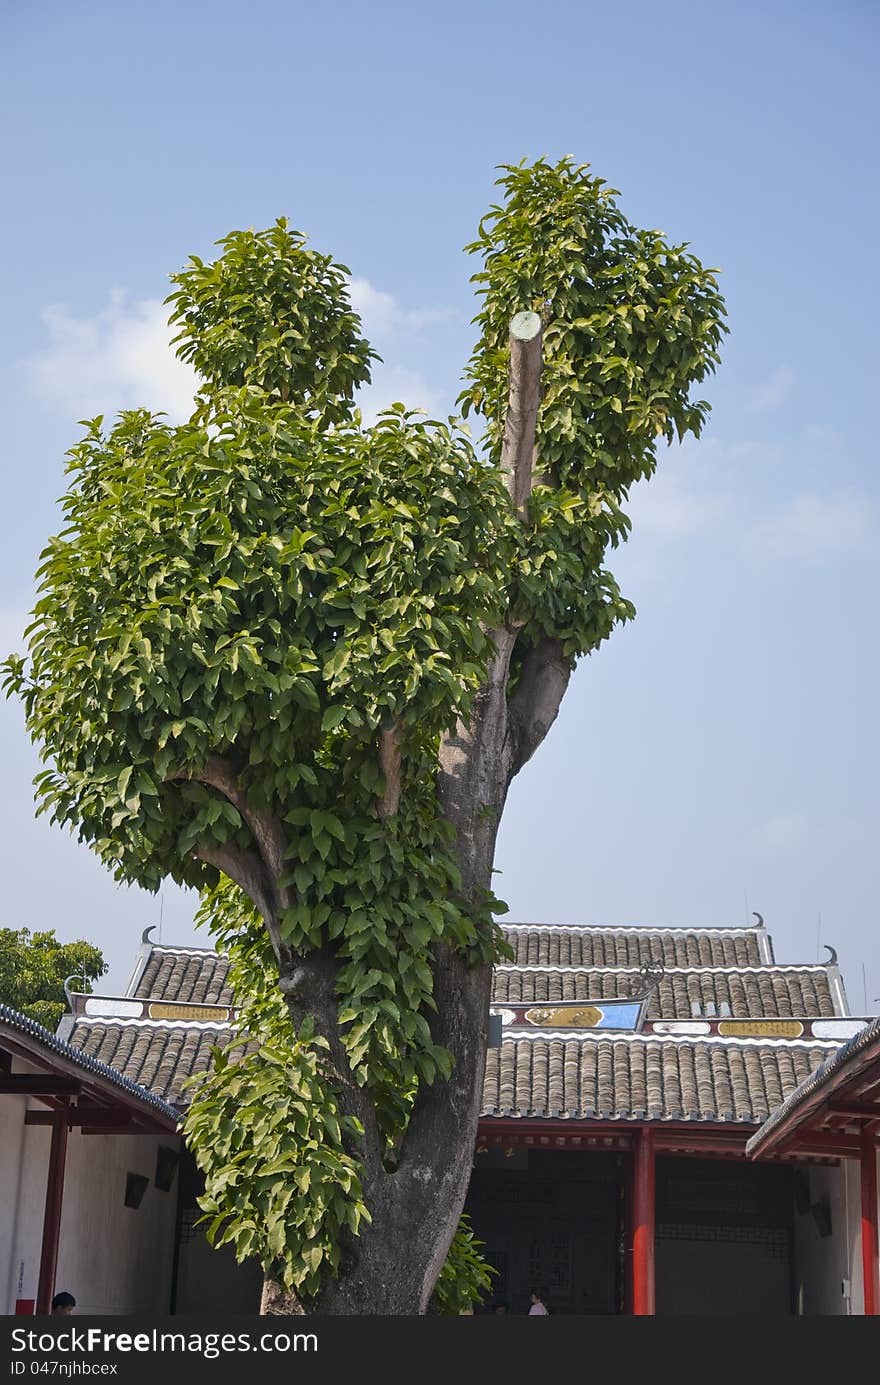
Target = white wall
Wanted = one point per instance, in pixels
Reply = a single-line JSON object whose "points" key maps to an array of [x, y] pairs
{"points": [[822, 1262], [12, 1135], [112, 1258], [828, 1266]]}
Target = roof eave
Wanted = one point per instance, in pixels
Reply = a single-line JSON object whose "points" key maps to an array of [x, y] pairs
{"points": [[845, 1067]]}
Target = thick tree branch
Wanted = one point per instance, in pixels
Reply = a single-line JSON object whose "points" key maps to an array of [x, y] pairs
{"points": [[389, 763], [475, 771], [475, 768], [534, 706], [267, 830], [250, 874], [518, 443], [307, 981]]}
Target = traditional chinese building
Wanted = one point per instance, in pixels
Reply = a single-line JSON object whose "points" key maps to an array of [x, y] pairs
{"points": [[630, 1068], [836, 1110]]}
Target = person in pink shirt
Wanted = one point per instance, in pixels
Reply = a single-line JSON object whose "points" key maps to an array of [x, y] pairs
{"points": [[539, 1307]]}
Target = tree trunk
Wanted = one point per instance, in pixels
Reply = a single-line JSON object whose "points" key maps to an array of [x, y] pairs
{"points": [[391, 1267]]}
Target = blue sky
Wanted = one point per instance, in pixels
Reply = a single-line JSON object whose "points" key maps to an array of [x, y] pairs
{"points": [[720, 754]]}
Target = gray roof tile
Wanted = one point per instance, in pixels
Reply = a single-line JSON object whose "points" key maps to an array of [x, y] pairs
{"points": [[626, 1079], [156, 1056], [195, 977], [535, 945], [769, 994], [580, 1076]]}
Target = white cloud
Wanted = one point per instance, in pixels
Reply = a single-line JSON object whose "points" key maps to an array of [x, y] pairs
{"points": [[392, 327], [685, 497], [815, 527], [383, 316], [378, 311], [120, 358], [774, 391], [396, 385]]}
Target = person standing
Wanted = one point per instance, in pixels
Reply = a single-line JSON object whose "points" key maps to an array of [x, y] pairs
{"points": [[539, 1307]]}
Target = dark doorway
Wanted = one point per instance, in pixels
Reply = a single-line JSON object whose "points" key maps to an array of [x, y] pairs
{"points": [[206, 1280], [549, 1219], [723, 1238]]}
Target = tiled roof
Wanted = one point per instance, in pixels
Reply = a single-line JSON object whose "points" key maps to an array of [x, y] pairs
{"points": [[536, 945], [199, 976], [580, 1076], [155, 1055], [187, 974], [762, 993], [583, 1077], [845, 1064], [635, 1078]]}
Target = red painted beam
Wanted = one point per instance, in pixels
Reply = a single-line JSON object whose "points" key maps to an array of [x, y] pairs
{"points": [[868, 1165], [490, 1126], [643, 1293], [52, 1214], [680, 1142], [855, 1110], [803, 1141]]}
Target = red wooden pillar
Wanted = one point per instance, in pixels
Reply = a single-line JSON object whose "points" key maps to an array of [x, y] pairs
{"points": [[52, 1214], [643, 1298], [868, 1165]]}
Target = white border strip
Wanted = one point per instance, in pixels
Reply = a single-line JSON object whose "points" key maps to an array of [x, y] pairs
{"points": [[92, 1021], [689, 1040], [190, 951], [721, 930], [770, 970]]}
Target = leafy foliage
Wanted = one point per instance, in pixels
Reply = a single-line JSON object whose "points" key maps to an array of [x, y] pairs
{"points": [[273, 313], [466, 1277], [34, 967], [276, 585], [631, 323], [281, 1181]]}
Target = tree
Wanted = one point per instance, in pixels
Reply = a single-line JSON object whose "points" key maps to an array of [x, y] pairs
{"points": [[35, 966], [296, 662]]}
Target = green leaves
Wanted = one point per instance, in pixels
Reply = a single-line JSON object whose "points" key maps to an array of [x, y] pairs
{"points": [[266, 1130], [273, 314], [185, 611], [632, 323], [466, 1277], [35, 966], [273, 584]]}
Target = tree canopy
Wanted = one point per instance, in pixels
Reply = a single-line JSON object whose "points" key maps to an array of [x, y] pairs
{"points": [[294, 661], [35, 966]]}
